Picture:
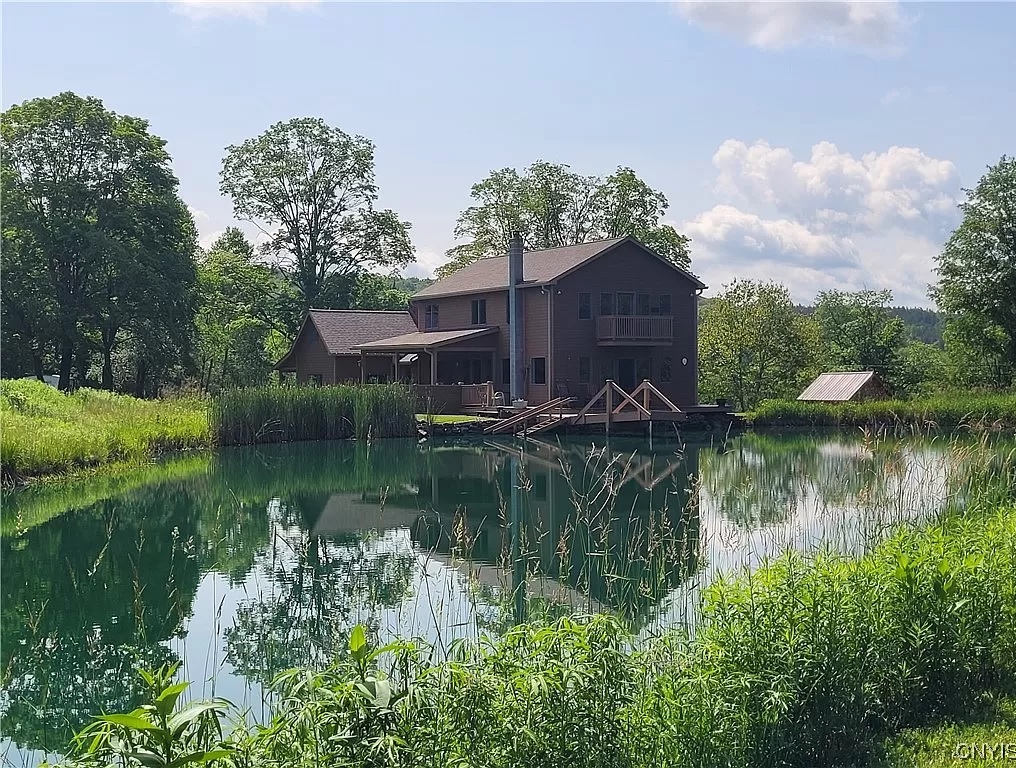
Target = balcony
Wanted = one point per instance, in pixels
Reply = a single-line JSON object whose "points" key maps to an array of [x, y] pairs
{"points": [[647, 330]]}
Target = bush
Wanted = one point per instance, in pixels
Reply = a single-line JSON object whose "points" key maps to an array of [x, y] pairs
{"points": [[283, 414]]}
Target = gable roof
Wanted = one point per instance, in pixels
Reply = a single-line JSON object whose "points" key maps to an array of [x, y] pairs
{"points": [[342, 329], [838, 386], [538, 268]]}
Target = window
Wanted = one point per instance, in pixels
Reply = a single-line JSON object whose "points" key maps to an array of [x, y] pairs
{"points": [[430, 317], [644, 369], [585, 306], [314, 379], [585, 370], [626, 303], [539, 368], [506, 370], [643, 304], [665, 370], [664, 303], [479, 311], [606, 303]]}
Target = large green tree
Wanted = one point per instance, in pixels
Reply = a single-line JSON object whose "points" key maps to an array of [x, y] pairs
{"points": [[860, 332], [98, 245], [550, 205], [311, 188], [754, 345], [245, 315], [977, 273]]}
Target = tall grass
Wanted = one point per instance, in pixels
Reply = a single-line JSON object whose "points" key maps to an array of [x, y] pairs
{"points": [[284, 414], [45, 431], [946, 411]]}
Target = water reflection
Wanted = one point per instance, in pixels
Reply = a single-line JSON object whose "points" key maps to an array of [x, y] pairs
{"points": [[254, 560]]}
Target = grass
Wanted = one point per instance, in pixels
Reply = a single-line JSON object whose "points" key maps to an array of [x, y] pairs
{"points": [[986, 737], [47, 432], [947, 411], [447, 418], [808, 661], [283, 414]]}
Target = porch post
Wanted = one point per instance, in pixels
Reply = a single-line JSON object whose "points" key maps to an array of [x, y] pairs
{"points": [[395, 368], [363, 367], [433, 366]]}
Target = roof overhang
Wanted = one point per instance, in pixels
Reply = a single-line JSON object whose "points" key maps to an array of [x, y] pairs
{"points": [[425, 340]]}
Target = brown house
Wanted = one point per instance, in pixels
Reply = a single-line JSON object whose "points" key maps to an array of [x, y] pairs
{"points": [[323, 351], [611, 309], [607, 309]]}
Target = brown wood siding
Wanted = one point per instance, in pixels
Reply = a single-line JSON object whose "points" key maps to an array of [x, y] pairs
{"points": [[626, 269], [455, 312], [312, 358]]}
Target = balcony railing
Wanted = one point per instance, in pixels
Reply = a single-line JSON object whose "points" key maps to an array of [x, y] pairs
{"points": [[634, 329]]}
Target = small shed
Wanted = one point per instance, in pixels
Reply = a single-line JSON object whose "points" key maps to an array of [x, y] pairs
{"points": [[845, 386]]}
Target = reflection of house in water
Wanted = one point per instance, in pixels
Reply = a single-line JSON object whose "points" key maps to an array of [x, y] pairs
{"points": [[615, 529]]}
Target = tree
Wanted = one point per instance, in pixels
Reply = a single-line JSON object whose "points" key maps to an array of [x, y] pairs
{"points": [[551, 206], [243, 316], [311, 188], [753, 345], [977, 270], [860, 332], [91, 215]]}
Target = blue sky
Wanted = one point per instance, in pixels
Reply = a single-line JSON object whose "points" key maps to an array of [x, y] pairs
{"points": [[819, 145]]}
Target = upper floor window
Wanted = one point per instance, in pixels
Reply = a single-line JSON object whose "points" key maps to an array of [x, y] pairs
{"points": [[642, 304], [430, 317], [585, 306], [479, 311], [664, 303], [626, 303], [606, 303]]}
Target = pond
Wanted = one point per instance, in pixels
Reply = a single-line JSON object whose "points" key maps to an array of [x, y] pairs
{"points": [[250, 561]]}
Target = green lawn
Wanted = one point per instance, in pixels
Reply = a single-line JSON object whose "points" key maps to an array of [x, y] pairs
{"points": [[957, 745], [445, 418]]}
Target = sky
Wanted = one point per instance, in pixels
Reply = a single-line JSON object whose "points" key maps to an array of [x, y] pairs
{"points": [[820, 145]]}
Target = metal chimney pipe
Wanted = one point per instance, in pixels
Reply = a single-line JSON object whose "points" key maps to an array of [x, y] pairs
{"points": [[516, 347]]}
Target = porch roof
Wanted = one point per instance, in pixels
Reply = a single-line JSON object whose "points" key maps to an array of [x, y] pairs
{"points": [[425, 340]]}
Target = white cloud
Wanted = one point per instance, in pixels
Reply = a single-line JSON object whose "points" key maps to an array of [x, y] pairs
{"points": [[831, 221], [896, 96], [426, 262], [834, 191], [875, 27], [203, 222], [253, 10]]}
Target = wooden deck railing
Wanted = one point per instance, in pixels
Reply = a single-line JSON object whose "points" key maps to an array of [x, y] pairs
{"points": [[478, 395], [635, 328]]}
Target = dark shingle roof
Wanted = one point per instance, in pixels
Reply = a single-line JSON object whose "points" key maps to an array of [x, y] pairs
{"points": [[343, 329], [538, 267]]}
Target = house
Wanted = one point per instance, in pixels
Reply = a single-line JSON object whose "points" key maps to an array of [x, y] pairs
{"points": [[543, 324], [323, 351], [845, 386]]}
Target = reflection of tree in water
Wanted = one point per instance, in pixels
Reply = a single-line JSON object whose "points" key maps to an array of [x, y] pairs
{"points": [[301, 617], [86, 598], [758, 481]]}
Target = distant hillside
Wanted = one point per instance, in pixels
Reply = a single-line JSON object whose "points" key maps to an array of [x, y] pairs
{"points": [[411, 285]]}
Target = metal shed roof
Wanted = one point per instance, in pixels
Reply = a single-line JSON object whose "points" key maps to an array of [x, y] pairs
{"points": [[839, 386]]}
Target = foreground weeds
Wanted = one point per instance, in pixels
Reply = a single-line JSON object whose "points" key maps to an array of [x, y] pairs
{"points": [[809, 661]]}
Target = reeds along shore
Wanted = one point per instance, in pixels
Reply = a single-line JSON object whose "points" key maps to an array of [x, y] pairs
{"points": [[944, 412]]}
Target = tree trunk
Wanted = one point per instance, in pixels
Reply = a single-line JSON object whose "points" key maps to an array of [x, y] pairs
{"points": [[66, 361], [40, 372], [107, 369], [139, 378]]}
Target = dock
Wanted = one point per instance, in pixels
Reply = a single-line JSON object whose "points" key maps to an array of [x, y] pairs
{"points": [[610, 406]]}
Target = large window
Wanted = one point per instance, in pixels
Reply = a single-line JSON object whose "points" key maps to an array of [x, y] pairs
{"points": [[585, 306], [479, 311], [642, 305], [539, 368], [606, 303], [626, 303], [664, 303], [585, 370], [430, 317]]}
